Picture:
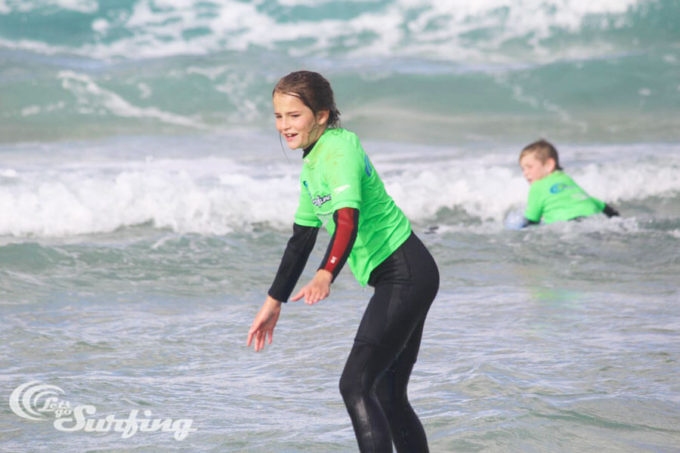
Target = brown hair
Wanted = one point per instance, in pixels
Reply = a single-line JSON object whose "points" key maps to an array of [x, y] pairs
{"points": [[543, 150], [313, 90]]}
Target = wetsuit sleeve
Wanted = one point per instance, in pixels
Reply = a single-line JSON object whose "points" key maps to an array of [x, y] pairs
{"points": [[526, 222], [346, 227], [609, 211], [293, 262]]}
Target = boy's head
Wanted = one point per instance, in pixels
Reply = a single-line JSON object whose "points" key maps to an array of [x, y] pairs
{"points": [[538, 160]]}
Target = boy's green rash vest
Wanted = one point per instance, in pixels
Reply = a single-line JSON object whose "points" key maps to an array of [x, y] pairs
{"points": [[336, 174], [557, 197]]}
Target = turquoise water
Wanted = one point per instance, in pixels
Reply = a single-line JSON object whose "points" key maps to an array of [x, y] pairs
{"points": [[407, 70], [145, 200]]}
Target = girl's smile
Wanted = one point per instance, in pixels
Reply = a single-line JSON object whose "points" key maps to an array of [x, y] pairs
{"points": [[296, 122]]}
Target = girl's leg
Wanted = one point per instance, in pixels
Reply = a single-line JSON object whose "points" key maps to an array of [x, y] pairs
{"points": [[388, 338], [357, 385], [373, 386], [407, 432]]}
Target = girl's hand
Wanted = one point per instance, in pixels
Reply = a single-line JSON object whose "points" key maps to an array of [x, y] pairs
{"points": [[316, 290], [264, 323]]}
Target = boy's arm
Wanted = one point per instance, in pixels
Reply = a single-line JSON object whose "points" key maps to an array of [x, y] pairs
{"points": [[526, 222], [534, 209]]}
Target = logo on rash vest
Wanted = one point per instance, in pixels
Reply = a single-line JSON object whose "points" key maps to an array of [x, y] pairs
{"points": [[559, 187], [318, 201]]}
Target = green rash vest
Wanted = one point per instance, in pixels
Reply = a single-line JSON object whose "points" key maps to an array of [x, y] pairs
{"points": [[557, 197], [336, 174]]}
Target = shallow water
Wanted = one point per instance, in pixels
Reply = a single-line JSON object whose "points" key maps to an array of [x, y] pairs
{"points": [[557, 338], [520, 353]]}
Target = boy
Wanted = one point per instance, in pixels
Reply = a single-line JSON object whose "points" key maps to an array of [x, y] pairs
{"points": [[553, 195]]}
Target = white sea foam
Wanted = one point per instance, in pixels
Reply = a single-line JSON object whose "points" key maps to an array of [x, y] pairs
{"points": [[83, 6], [211, 196], [65, 194], [401, 28]]}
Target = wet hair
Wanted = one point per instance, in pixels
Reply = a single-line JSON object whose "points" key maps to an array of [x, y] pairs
{"points": [[543, 150], [313, 90]]}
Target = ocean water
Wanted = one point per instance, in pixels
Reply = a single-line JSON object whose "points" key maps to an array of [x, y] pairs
{"points": [[145, 201]]}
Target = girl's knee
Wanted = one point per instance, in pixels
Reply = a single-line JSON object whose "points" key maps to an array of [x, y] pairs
{"points": [[346, 386], [350, 384]]}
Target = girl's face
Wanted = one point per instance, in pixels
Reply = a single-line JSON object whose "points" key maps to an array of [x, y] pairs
{"points": [[296, 122], [533, 169]]}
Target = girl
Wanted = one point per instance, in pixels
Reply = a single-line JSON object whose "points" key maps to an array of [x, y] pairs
{"points": [[340, 188]]}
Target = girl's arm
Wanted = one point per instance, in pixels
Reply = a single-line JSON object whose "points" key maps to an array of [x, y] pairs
{"points": [[263, 325], [293, 262], [339, 248], [346, 227]]}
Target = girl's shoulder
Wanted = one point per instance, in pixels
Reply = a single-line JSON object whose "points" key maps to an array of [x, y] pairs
{"points": [[340, 135], [340, 142]]}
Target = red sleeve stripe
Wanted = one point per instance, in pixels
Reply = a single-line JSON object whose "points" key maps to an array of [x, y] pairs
{"points": [[346, 222]]}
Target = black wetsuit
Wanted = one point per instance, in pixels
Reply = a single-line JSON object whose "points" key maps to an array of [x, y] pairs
{"points": [[376, 374], [375, 378], [374, 381]]}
